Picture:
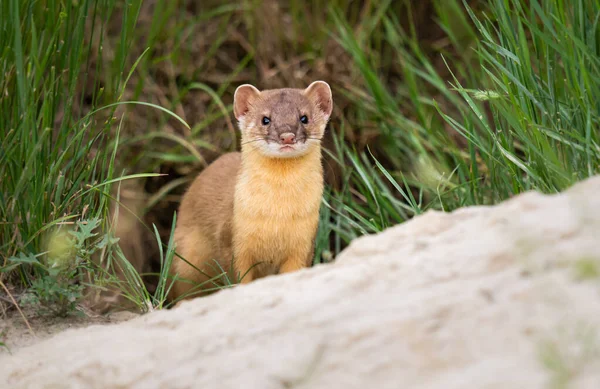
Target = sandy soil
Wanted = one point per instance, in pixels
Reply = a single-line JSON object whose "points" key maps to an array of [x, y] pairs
{"points": [[14, 332]]}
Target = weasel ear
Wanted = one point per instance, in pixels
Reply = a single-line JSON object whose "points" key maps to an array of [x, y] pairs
{"points": [[243, 98], [319, 93]]}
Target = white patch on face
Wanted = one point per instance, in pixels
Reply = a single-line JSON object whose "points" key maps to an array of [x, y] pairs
{"points": [[277, 150]]}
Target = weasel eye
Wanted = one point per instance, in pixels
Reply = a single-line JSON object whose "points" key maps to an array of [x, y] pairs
{"points": [[266, 121], [304, 119]]}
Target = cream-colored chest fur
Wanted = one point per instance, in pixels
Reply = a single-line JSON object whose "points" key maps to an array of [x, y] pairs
{"points": [[276, 207]]}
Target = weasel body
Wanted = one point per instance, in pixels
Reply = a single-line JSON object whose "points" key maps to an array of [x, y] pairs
{"points": [[257, 212]]}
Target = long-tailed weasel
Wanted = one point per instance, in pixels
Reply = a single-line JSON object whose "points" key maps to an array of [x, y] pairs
{"points": [[258, 209]]}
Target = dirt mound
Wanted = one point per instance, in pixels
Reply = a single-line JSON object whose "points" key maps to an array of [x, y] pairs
{"points": [[485, 297]]}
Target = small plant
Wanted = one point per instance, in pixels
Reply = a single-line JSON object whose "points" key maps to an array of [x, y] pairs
{"points": [[57, 285]]}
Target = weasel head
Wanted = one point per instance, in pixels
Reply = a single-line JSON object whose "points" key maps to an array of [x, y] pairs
{"points": [[282, 123]]}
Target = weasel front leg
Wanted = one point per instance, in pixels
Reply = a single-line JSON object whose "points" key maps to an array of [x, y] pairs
{"points": [[244, 267], [292, 264], [296, 262], [301, 256]]}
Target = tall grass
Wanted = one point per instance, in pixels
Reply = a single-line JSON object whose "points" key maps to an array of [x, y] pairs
{"points": [[524, 100], [50, 152], [503, 97], [59, 136]]}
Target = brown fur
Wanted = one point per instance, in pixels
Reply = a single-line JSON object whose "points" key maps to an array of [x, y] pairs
{"points": [[258, 209]]}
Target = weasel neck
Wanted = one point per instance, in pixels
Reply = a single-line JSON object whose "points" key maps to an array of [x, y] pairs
{"points": [[257, 165], [279, 188]]}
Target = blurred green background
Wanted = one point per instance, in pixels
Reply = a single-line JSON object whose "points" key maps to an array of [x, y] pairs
{"points": [[110, 108]]}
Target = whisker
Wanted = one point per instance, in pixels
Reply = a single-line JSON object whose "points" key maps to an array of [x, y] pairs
{"points": [[263, 139], [250, 141]]}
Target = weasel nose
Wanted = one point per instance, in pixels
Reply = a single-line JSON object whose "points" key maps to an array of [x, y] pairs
{"points": [[288, 138]]}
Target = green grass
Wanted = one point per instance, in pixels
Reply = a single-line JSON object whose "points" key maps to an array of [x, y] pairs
{"points": [[476, 104], [58, 146], [524, 99]]}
